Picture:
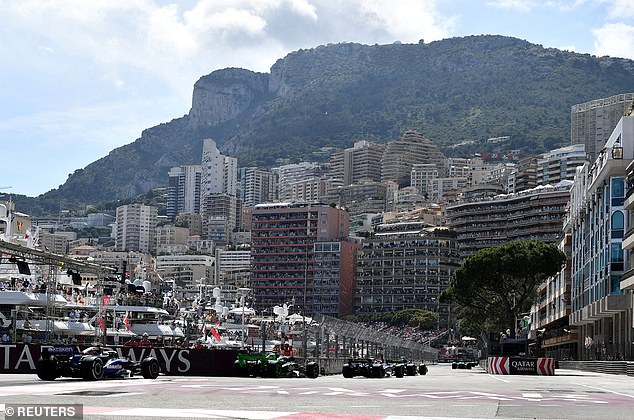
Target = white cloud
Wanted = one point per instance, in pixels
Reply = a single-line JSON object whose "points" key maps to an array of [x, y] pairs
{"points": [[82, 77], [529, 5], [615, 40], [522, 5], [620, 9]]}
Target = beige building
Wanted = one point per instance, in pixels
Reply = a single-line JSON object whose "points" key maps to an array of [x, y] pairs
{"points": [[400, 156]]}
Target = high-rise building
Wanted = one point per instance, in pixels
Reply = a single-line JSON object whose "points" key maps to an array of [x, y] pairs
{"points": [[560, 164], [287, 174], [283, 250], [602, 283], [535, 214], [591, 123], [183, 195], [256, 186], [219, 217], [334, 274], [309, 190], [219, 172], [400, 156], [406, 265], [136, 231], [360, 163]]}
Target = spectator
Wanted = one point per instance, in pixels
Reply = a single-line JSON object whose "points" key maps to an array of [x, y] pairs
{"points": [[131, 343], [145, 342]]}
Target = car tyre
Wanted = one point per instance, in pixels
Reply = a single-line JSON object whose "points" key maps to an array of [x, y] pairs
{"points": [[399, 371], [422, 369], [239, 370], [347, 372], [47, 369], [150, 368], [312, 370], [274, 370], [91, 368]]}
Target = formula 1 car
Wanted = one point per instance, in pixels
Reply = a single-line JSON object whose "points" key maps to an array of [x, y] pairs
{"points": [[269, 365], [463, 364], [92, 364], [368, 367], [404, 367]]}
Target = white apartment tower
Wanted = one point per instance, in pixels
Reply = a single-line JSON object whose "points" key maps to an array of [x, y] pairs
{"points": [[219, 172], [136, 225], [560, 164]]}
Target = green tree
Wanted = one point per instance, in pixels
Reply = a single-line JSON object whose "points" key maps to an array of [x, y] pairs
{"points": [[494, 286]]}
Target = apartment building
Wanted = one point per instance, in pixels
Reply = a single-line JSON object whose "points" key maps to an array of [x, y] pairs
{"points": [[400, 156], [183, 193], [406, 265], [136, 231], [283, 250], [294, 172], [560, 164], [233, 267], [257, 186], [535, 214], [601, 290], [592, 123], [360, 163]]}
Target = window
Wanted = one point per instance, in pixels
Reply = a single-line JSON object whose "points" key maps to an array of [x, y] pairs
{"points": [[617, 224], [618, 191], [616, 257]]}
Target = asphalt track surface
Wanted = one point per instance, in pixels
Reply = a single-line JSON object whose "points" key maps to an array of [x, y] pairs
{"points": [[443, 393]]}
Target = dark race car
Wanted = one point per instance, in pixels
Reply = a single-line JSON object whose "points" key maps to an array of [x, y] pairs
{"points": [[404, 367], [374, 368], [92, 364], [368, 367], [269, 365]]}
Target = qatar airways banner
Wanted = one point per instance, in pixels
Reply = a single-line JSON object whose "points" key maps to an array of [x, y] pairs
{"points": [[21, 358], [500, 365]]}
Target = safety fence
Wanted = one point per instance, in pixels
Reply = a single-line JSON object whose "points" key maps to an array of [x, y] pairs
{"points": [[614, 367], [329, 337]]}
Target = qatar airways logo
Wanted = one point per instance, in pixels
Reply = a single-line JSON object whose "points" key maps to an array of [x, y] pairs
{"points": [[523, 364]]}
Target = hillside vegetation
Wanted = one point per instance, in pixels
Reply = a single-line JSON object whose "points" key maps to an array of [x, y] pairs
{"points": [[453, 91]]}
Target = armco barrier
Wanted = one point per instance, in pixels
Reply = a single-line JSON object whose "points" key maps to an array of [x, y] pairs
{"points": [[505, 365], [616, 367]]}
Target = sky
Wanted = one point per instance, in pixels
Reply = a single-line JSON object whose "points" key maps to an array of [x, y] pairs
{"points": [[79, 78]]}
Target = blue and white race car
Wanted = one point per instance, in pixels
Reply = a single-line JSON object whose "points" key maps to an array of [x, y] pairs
{"points": [[92, 364]]}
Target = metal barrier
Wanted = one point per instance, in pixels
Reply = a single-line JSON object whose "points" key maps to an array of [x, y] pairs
{"points": [[336, 338], [600, 366]]}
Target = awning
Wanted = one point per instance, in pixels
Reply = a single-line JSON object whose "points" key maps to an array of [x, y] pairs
{"points": [[240, 311], [156, 330]]}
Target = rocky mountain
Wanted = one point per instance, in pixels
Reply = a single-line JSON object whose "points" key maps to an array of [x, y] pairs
{"points": [[453, 91]]}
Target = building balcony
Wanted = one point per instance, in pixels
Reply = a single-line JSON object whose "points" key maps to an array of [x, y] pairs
{"points": [[628, 239], [560, 340], [612, 304], [627, 280]]}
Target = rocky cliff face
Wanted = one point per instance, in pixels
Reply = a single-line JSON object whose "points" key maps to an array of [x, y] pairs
{"points": [[225, 94]]}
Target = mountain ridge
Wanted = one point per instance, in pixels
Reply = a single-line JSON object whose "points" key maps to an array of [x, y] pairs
{"points": [[453, 90]]}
